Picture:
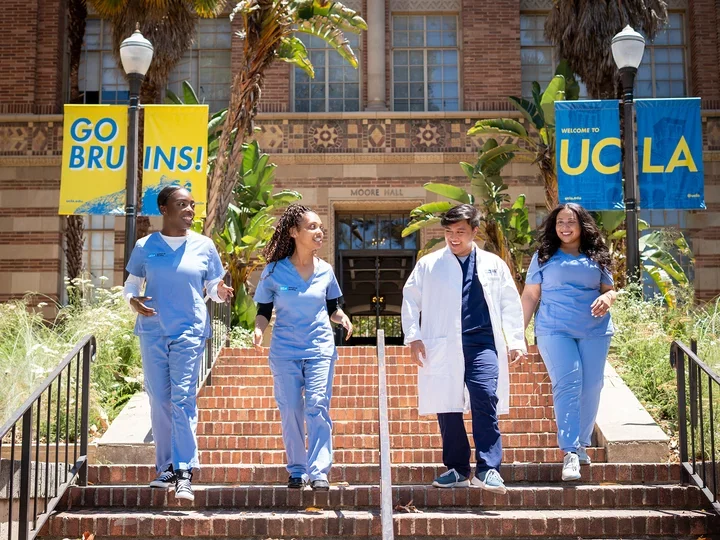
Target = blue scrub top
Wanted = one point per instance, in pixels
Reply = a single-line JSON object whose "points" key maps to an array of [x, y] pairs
{"points": [[569, 286], [302, 324], [175, 280]]}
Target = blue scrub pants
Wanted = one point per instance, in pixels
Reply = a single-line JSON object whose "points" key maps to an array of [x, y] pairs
{"points": [[314, 376], [576, 368], [171, 366], [481, 378]]}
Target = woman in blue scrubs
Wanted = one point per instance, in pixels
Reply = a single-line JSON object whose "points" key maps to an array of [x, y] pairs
{"points": [[306, 296], [175, 265], [571, 277]]}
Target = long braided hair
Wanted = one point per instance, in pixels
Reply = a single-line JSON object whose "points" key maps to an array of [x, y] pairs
{"points": [[281, 244], [592, 243]]}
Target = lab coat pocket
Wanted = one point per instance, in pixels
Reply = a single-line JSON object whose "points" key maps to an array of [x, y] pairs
{"points": [[435, 359]]}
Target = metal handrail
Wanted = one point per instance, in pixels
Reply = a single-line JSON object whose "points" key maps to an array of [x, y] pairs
{"points": [[220, 316], [386, 507], [695, 465], [58, 431]]}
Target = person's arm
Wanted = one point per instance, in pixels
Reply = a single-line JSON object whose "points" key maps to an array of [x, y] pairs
{"points": [[264, 314], [411, 309], [339, 317], [511, 313], [131, 293], [530, 298], [604, 302]]}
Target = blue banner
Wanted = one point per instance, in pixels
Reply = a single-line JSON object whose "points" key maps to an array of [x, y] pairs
{"points": [[588, 154], [670, 154]]}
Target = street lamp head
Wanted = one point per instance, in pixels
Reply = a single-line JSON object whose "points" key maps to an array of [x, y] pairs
{"points": [[136, 53], [628, 47]]}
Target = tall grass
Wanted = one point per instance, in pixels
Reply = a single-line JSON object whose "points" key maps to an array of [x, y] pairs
{"points": [[640, 352], [30, 348]]}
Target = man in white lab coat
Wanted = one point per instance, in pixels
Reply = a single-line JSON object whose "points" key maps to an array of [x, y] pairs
{"points": [[462, 318]]}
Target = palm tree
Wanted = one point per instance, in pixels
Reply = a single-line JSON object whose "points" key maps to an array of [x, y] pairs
{"points": [[583, 30], [170, 27], [268, 28], [74, 226]]}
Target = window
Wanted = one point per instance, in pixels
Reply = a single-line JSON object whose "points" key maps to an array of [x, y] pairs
{"points": [[206, 66], [538, 58], [425, 63], [336, 86], [100, 79], [99, 249], [662, 71], [372, 231]]}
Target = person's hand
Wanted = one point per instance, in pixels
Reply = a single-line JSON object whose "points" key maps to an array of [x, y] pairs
{"points": [[224, 292], [347, 325], [417, 352], [600, 306], [257, 338], [138, 304], [516, 355]]}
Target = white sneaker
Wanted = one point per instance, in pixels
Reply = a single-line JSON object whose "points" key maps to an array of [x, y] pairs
{"points": [[583, 457], [571, 467]]}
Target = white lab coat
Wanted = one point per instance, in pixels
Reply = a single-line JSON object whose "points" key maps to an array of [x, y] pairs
{"points": [[434, 289]]}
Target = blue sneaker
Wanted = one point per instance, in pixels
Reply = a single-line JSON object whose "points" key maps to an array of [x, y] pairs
{"points": [[491, 481], [451, 479], [583, 457]]}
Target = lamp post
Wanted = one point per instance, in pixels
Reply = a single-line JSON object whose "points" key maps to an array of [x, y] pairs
{"points": [[627, 48], [136, 53]]}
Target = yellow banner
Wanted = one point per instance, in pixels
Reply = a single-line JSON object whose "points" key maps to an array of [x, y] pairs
{"points": [[94, 159], [175, 153]]}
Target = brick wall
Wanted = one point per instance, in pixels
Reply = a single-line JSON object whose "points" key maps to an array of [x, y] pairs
{"points": [[18, 48], [490, 52], [704, 48]]}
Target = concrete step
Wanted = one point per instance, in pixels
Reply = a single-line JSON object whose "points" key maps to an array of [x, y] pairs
{"points": [[535, 496], [316, 523], [416, 473], [401, 441], [349, 456], [211, 424]]}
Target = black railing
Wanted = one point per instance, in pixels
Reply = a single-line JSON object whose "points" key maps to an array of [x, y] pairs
{"points": [[698, 389], [44, 446], [220, 314], [386, 506]]}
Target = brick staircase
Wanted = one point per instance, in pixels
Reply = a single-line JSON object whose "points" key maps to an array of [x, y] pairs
{"points": [[241, 493]]}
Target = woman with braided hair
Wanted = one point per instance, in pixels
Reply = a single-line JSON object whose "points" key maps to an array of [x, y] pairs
{"points": [[306, 296]]}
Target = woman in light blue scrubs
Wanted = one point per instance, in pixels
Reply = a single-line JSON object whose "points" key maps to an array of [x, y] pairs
{"points": [[306, 296], [175, 265], [571, 277]]}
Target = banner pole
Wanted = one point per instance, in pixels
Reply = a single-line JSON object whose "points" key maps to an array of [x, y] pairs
{"points": [[627, 76], [135, 81]]}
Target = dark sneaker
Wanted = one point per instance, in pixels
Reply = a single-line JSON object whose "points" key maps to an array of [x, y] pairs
{"points": [[183, 487], [490, 480], [451, 479], [320, 485], [165, 479], [296, 482]]}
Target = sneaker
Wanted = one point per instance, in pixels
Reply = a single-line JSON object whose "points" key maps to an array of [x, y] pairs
{"points": [[451, 479], [165, 479], [183, 487], [583, 457], [490, 480], [296, 482], [320, 485], [571, 467]]}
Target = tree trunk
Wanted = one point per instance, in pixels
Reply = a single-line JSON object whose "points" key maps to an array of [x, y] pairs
{"points": [[74, 225]]}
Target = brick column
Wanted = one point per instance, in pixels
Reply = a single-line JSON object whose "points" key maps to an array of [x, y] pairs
{"points": [[704, 49]]}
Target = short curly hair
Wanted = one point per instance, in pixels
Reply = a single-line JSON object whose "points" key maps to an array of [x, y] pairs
{"points": [[592, 243]]}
